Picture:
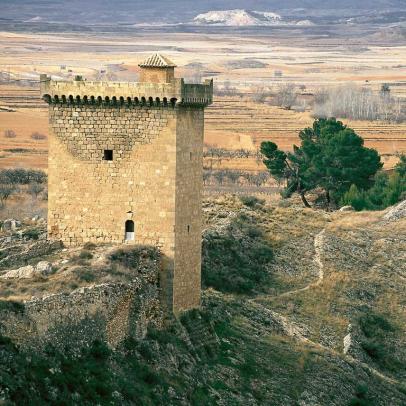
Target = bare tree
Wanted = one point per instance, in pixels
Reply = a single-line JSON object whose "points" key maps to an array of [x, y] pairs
{"points": [[206, 177], [286, 96], [219, 176], [6, 190], [260, 94], [10, 134], [34, 189], [233, 176]]}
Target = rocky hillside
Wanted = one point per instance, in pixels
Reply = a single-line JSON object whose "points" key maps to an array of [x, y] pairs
{"points": [[309, 310]]}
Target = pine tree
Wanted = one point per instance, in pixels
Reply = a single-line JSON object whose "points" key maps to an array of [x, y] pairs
{"points": [[331, 156]]}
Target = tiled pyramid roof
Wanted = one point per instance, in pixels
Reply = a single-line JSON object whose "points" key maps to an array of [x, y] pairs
{"points": [[157, 61]]}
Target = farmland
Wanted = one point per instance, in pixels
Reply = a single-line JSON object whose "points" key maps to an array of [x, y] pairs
{"points": [[240, 65]]}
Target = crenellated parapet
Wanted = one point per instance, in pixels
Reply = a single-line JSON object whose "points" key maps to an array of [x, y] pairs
{"points": [[79, 92]]}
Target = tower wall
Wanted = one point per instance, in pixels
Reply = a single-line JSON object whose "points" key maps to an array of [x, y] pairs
{"points": [[90, 198], [131, 151], [157, 75], [188, 204]]}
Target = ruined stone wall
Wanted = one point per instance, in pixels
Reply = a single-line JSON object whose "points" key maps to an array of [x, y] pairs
{"points": [[91, 198], [189, 185], [110, 313]]}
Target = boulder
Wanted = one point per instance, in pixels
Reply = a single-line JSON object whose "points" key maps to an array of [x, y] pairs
{"points": [[396, 212], [25, 272], [43, 268], [347, 208], [10, 225]]}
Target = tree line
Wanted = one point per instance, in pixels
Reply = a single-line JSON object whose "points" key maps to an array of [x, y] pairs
{"points": [[346, 101], [221, 177]]}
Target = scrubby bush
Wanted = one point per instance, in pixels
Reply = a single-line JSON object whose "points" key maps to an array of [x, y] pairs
{"points": [[376, 328], [20, 176], [38, 136], [89, 246], [251, 201], [370, 323], [236, 260], [10, 134], [84, 274], [84, 254], [31, 233], [361, 397]]}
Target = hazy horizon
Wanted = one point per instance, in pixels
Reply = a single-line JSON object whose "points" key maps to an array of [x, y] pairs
{"points": [[180, 11]]}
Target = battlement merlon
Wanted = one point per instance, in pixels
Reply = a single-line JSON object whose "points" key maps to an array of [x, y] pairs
{"points": [[177, 92]]}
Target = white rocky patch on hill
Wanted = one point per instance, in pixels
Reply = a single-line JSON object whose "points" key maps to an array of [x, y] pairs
{"points": [[245, 18], [238, 18]]}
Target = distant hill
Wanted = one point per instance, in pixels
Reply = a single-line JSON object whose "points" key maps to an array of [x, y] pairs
{"points": [[181, 11]]}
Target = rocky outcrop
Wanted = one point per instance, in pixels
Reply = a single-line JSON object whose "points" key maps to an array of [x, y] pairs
{"points": [[347, 208], [43, 268], [396, 212]]}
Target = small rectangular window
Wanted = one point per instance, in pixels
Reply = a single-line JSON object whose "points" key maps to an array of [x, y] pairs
{"points": [[188, 229], [108, 155]]}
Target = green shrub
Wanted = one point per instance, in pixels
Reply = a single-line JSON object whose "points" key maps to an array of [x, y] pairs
{"points": [[361, 397], [371, 323], [374, 349], [132, 257], [84, 274], [89, 246], [235, 261], [355, 198], [251, 201], [9, 305], [376, 328], [32, 233], [386, 190], [84, 254]]}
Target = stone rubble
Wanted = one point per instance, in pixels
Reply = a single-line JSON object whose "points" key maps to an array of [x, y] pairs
{"points": [[42, 269], [10, 225]]}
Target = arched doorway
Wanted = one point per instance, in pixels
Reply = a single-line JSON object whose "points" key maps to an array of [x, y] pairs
{"points": [[129, 230]]}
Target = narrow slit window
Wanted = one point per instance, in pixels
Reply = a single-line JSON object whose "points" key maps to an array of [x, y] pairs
{"points": [[188, 229], [108, 155], [190, 155]]}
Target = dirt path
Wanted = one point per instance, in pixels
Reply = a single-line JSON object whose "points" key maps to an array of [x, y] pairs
{"points": [[291, 329], [318, 244]]}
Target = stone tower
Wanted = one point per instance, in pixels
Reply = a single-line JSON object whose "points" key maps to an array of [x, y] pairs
{"points": [[125, 166]]}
